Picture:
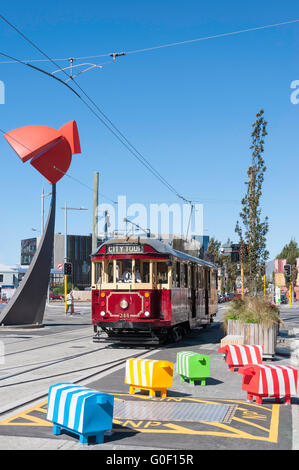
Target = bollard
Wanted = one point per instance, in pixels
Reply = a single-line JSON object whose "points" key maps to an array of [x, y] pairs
{"points": [[193, 366], [241, 355], [79, 410], [149, 375], [261, 381]]}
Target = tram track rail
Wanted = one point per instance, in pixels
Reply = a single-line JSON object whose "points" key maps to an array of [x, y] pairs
{"points": [[46, 345], [82, 379], [51, 363]]}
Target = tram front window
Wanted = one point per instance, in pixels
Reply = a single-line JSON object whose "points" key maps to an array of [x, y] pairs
{"points": [[110, 272], [124, 270]]}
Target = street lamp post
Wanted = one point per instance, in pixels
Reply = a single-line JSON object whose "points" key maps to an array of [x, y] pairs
{"points": [[65, 208]]}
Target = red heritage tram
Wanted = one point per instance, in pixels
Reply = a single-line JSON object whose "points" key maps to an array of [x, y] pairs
{"points": [[145, 292]]}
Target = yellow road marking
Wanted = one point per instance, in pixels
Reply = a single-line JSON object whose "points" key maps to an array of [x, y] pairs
{"points": [[250, 424], [146, 426], [30, 420]]}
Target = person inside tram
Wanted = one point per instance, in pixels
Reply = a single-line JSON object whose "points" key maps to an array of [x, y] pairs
{"points": [[127, 274], [137, 275]]}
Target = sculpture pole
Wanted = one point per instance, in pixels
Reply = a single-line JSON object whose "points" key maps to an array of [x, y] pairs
{"points": [[27, 305]]}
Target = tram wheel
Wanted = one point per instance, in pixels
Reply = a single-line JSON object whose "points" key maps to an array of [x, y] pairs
{"points": [[177, 334]]}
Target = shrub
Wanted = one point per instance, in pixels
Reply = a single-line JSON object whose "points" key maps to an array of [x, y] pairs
{"points": [[252, 309]]}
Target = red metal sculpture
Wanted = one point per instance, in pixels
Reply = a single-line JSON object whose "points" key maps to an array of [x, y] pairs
{"points": [[49, 150]]}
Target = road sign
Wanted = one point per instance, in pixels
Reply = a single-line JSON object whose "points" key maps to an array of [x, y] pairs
{"points": [[59, 266]]}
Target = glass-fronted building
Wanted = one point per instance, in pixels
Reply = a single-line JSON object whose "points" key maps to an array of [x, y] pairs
{"points": [[79, 248]]}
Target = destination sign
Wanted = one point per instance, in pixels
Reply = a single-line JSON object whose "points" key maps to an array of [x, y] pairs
{"points": [[124, 249]]}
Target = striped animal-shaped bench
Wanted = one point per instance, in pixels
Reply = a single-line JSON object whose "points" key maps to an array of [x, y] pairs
{"points": [[80, 410], [147, 374], [193, 366], [262, 380], [237, 355]]}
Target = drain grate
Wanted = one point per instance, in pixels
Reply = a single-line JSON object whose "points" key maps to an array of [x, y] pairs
{"points": [[222, 413]]}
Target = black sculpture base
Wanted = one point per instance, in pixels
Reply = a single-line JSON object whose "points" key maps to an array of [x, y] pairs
{"points": [[27, 305]]}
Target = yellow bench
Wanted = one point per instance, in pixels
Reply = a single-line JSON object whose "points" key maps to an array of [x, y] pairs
{"points": [[149, 375]]}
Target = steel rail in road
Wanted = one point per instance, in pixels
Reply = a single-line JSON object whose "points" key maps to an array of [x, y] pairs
{"points": [[77, 381]]}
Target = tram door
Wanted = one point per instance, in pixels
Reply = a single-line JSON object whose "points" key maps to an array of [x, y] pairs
{"points": [[207, 290]]}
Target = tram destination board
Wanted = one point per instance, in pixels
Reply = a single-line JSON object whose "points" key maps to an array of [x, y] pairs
{"points": [[123, 249]]}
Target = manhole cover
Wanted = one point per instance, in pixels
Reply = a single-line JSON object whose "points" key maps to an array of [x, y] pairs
{"points": [[222, 413]]}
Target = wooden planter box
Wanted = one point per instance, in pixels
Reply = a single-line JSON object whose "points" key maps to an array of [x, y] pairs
{"points": [[254, 333]]}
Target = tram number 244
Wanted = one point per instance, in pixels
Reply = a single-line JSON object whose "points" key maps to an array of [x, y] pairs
{"points": [[124, 315]]}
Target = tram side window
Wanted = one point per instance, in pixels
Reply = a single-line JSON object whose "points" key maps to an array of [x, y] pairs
{"points": [[162, 273], [177, 276], [185, 275], [124, 270], [109, 272], [99, 273], [193, 276], [200, 277], [196, 274]]}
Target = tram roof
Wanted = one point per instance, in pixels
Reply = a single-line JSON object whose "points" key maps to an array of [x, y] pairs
{"points": [[158, 246]]}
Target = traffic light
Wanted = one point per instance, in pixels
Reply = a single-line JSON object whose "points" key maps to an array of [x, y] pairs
{"points": [[287, 270], [68, 269]]}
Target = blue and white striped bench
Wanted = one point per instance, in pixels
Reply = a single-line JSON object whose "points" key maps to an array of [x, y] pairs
{"points": [[80, 410]]}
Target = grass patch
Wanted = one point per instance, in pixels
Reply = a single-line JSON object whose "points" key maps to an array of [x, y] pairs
{"points": [[252, 310]]}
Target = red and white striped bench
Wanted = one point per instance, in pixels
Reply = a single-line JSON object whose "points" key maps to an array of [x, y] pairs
{"points": [[261, 381], [237, 355]]}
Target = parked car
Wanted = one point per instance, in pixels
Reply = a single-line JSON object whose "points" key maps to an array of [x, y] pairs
{"points": [[237, 296], [55, 296]]}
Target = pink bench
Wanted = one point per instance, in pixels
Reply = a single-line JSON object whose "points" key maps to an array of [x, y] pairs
{"points": [[261, 381], [237, 355]]}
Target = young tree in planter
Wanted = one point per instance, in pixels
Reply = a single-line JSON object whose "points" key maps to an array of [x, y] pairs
{"points": [[254, 230]]}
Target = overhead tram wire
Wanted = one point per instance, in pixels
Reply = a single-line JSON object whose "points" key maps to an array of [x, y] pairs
{"points": [[149, 167], [161, 46], [143, 160], [115, 131]]}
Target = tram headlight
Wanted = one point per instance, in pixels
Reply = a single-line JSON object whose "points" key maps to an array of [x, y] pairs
{"points": [[124, 304], [146, 314], [103, 314]]}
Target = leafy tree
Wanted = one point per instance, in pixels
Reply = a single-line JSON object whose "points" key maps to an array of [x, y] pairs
{"points": [[214, 249], [254, 228], [290, 253], [228, 281]]}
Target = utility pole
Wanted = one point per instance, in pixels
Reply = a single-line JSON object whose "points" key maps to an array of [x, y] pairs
{"points": [[264, 287], [242, 280], [65, 255], [65, 208], [95, 211]]}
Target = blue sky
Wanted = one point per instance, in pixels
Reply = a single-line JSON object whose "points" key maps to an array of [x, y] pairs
{"points": [[188, 109]]}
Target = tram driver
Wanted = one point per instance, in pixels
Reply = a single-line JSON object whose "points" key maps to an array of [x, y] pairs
{"points": [[127, 273]]}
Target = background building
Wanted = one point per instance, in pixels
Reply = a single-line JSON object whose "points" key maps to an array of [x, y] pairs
{"points": [[279, 277], [79, 248]]}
